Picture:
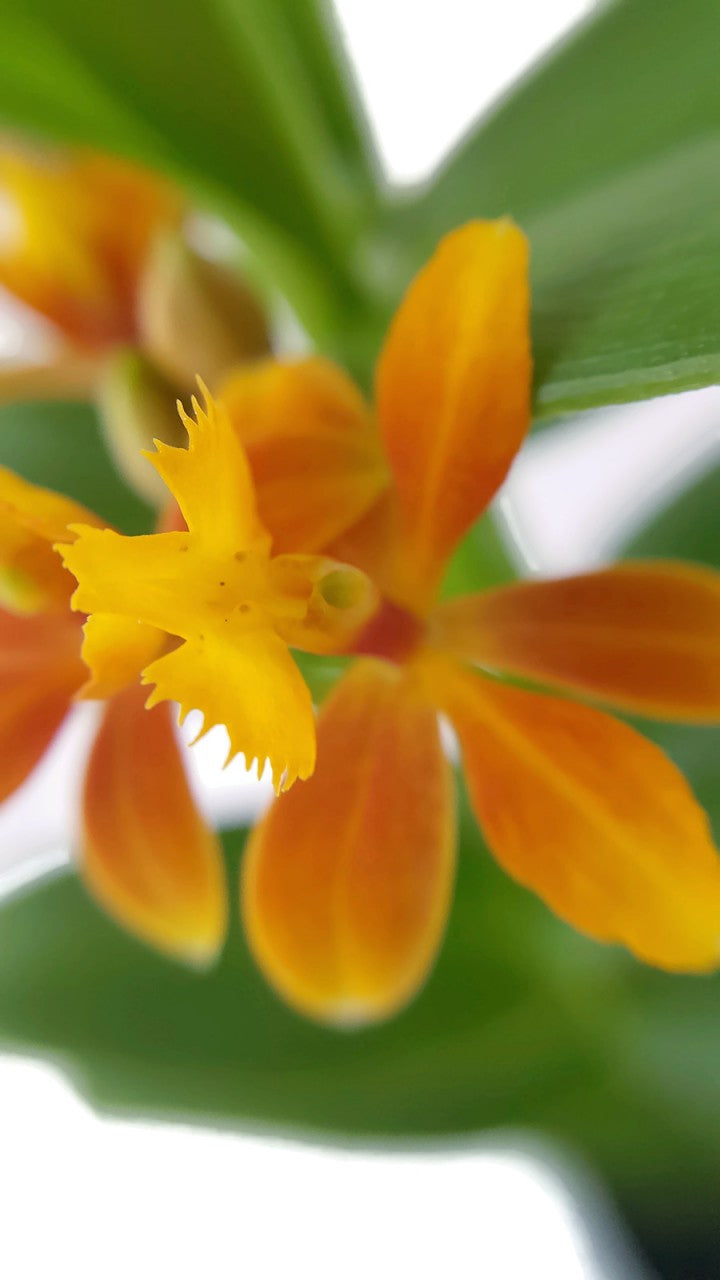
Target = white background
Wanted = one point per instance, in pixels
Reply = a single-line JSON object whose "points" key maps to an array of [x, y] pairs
{"points": [[88, 1197]]}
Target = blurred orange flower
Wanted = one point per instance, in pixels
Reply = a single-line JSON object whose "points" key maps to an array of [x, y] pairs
{"points": [[76, 229], [348, 880]]}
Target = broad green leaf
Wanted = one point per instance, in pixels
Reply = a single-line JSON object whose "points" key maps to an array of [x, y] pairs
{"points": [[244, 101], [60, 445], [608, 155], [313, 29], [522, 1023], [676, 1032]]}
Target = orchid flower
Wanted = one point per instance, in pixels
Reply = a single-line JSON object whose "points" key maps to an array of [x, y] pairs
{"points": [[77, 229], [215, 613], [348, 880]]}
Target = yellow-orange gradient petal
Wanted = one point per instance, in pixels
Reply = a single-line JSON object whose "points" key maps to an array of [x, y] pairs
{"points": [[347, 882], [40, 671], [211, 480], [31, 520], [645, 636], [313, 448], [147, 854], [249, 683], [43, 511], [454, 388], [46, 258], [69, 248], [112, 187], [589, 814]]}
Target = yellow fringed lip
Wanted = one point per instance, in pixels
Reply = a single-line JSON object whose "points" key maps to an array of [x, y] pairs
{"points": [[218, 609]]}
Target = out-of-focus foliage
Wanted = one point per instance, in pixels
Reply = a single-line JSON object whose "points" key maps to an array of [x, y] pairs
{"points": [[523, 1023], [60, 445], [608, 155], [246, 102], [689, 526]]}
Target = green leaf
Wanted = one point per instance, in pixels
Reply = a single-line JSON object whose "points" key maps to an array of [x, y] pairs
{"points": [[313, 28], [688, 526], [486, 1042], [245, 101], [60, 445], [676, 1031], [482, 560], [608, 155], [320, 672], [522, 1023]]}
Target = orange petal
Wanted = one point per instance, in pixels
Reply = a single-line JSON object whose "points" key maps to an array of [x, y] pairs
{"points": [[454, 389], [40, 671], [147, 854], [110, 187], [374, 544], [347, 881], [589, 814], [313, 449], [645, 636], [43, 511], [69, 248], [31, 520]]}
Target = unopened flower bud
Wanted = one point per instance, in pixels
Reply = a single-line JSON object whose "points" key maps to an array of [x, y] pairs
{"points": [[137, 405], [197, 317]]}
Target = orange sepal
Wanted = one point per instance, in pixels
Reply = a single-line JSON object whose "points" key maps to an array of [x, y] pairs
{"points": [[453, 390], [147, 854], [79, 226], [313, 448], [40, 671], [645, 636], [113, 186], [347, 882], [589, 814]]}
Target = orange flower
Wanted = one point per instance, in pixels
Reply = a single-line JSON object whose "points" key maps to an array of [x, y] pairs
{"points": [[348, 880], [146, 852], [204, 613], [97, 246], [75, 232]]}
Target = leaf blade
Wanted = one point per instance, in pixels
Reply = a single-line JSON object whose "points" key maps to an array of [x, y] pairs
{"points": [[616, 196]]}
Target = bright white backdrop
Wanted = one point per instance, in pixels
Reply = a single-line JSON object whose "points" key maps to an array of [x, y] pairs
{"points": [[92, 1197]]}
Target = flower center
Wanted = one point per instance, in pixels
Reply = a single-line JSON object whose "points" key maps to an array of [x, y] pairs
{"points": [[391, 633]]}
